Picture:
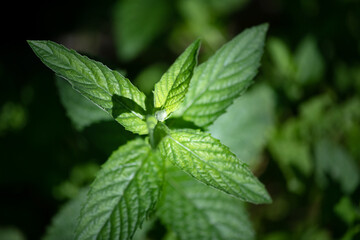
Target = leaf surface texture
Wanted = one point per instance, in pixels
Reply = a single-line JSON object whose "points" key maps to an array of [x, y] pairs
{"points": [[212, 163], [223, 77], [123, 194], [170, 91], [106, 88]]}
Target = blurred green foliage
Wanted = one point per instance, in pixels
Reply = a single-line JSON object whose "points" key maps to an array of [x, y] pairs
{"points": [[137, 23], [298, 127], [247, 124], [12, 117], [81, 111]]}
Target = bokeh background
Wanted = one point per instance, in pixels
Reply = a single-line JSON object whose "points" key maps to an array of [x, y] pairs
{"points": [[298, 126]]}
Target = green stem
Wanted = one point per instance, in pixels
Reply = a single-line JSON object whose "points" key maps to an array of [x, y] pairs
{"points": [[151, 122]]}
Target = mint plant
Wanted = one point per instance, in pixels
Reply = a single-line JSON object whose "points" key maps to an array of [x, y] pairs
{"points": [[148, 173]]}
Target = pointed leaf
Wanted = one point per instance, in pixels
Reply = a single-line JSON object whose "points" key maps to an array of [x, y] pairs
{"points": [[106, 88], [122, 195], [196, 212], [170, 91], [224, 77], [212, 163]]}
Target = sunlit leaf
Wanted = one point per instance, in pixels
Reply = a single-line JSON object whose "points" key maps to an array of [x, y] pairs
{"points": [[123, 194], [212, 163], [224, 77], [106, 88], [170, 91]]}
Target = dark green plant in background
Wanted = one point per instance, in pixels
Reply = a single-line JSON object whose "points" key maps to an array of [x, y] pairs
{"points": [[146, 171]]}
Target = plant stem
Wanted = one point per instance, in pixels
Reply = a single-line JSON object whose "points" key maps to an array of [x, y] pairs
{"points": [[151, 122]]}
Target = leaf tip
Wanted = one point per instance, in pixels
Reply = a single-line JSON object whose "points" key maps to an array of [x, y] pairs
{"points": [[34, 43], [197, 42], [267, 198], [264, 26], [195, 45], [31, 43], [37, 44]]}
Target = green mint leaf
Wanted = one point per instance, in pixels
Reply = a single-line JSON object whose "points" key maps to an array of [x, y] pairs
{"points": [[196, 212], [123, 194], [80, 110], [170, 91], [221, 79], [212, 163], [106, 88]]}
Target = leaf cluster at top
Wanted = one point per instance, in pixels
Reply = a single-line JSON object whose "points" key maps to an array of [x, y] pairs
{"points": [[139, 174]]}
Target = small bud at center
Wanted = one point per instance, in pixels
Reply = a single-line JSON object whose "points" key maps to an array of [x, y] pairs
{"points": [[161, 115]]}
